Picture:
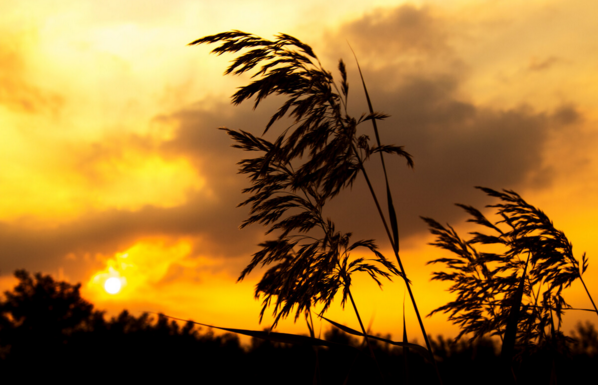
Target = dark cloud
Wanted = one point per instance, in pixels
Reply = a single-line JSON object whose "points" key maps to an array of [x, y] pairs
{"points": [[215, 227], [456, 146], [407, 29]]}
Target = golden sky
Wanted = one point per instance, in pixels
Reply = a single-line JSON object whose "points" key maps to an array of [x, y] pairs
{"points": [[112, 164]]}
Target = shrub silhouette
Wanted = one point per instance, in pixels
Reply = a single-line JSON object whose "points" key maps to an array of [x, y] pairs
{"points": [[37, 315]]}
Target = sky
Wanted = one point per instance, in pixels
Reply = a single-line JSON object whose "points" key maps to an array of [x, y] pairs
{"points": [[113, 165]]}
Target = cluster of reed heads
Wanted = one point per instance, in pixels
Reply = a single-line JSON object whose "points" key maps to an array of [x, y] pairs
{"points": [[515, 295]]}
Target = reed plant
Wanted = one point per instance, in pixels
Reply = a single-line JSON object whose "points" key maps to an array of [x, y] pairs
{"points": [[514, 291], [305, 167]]}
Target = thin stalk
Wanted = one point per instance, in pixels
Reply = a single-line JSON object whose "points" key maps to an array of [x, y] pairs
{"points": [[511, 327], [392, 213], [351, 297], [534, 307], [426, 340], [589, 294], [376, 201], [577, 308]]}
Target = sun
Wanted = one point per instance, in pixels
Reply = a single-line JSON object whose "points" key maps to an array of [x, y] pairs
{"points": [[112, 285]]}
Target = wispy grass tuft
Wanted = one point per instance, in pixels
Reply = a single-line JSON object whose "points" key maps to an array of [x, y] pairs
{"points": [[515, 295]]}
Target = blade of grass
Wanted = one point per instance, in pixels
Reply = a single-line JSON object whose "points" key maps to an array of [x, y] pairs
{"points": [[392, 213], [272, 336], [414, 347]]}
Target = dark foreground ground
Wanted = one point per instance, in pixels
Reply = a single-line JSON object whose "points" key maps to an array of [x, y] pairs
{"points": [[137, 349], [49, 334]]}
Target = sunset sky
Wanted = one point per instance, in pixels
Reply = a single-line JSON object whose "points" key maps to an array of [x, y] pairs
{"points": [[112, 164]]}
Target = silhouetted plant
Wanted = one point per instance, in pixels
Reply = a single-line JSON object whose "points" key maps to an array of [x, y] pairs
{"points": [[283, 180], [309, 269], [517, 294]]}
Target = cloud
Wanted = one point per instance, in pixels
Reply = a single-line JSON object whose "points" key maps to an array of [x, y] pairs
{"points": [[407, 29], [208, 218], [456, 143], [213, 223], [16, 92], [537, 64], [415, 74]]}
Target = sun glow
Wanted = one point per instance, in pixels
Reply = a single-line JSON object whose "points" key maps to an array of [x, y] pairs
{"points": [[112, 285], [136, 270]]}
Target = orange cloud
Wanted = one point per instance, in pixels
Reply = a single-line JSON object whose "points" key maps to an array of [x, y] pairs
{"points": [[17, 92]]}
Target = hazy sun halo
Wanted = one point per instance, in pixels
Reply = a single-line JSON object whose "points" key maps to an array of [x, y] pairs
{"points": [[112, 285]]}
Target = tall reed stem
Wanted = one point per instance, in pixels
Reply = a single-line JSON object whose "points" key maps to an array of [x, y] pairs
{"points": [[401, 268]]}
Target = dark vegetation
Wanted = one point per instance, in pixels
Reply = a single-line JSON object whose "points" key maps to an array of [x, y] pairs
{"points": [[47, 331]]}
